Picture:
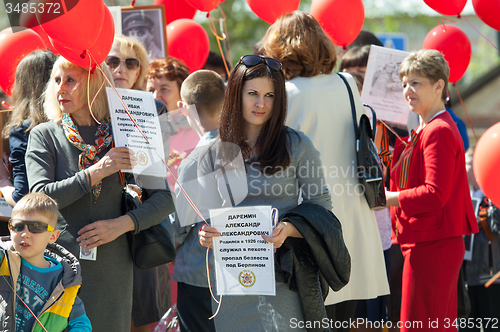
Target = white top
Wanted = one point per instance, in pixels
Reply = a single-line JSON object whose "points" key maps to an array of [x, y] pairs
{"points": [[320, 107]]}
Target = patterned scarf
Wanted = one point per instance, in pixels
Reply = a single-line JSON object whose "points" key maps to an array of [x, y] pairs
{"points": [[89, 156]]}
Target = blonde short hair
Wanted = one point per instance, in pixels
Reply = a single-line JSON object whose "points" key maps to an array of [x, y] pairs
{"points": [[37, 203], [127, 43], [100, 108], [427, 63]]}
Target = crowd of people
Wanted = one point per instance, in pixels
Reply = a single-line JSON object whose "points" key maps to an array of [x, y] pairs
{"points": [[280, 118]]}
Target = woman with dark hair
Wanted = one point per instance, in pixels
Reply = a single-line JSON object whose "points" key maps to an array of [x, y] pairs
{"points": [[279, 166], [319, 105], [72, 160], [356, 59], [32, 74]]}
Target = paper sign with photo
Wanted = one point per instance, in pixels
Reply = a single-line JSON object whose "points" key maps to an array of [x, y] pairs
{"points": [[382, 88]]}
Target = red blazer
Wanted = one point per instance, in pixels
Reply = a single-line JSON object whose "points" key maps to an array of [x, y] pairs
{"points": [[436, 203]]}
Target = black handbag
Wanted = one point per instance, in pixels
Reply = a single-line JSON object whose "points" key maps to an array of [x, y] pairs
{"points": [[152, 246], [369, 170]]}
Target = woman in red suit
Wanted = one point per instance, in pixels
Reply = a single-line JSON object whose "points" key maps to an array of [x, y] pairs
{"points": [[430, 197]]}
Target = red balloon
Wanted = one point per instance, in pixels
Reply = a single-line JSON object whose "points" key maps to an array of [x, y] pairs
{"points": [[46, 39], [454, 44], [342, 20], [488, 11], [177, 9], [486, 163], [447, 7], [78, 26], [270, 10], [204, 5], [28, 20], [187, 40], [99, 51], [13, 48]]}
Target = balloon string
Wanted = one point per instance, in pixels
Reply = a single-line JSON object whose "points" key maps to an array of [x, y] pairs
{"points": [[6, 105], [223, 28], [63, 3], [479, 32], [20, 299], [492, 280], [341, 53], [442, 26], [447, 19], [217, 37], [132, 4], [210, 288], [190, 202], [465, 111], [88, 88]]}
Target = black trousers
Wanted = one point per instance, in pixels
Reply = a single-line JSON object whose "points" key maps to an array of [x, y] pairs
{"points": [[194, 307], [485, 308], [342, 312]]}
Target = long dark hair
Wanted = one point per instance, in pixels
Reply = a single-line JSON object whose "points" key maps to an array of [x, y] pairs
{"points": [[32, 74], [272, 143]]}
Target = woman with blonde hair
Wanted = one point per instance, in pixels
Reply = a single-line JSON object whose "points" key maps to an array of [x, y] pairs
{"points": [[72, 160], [319, 105], [129, 63]]}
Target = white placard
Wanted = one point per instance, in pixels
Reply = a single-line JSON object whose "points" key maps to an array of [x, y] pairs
{"points": [[116, 13], [382, 88], [142, 106], [5, 208], [244, 261]]}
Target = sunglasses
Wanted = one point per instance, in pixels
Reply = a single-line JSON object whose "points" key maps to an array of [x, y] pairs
{"points": [[254, 60], [17, 225], [131, 63]]}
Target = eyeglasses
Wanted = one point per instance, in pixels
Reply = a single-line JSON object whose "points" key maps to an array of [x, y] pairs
{"points": [[253, 60], [17, 225], [131, 63]]}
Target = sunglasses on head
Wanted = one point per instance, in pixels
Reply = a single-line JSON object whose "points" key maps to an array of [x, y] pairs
{"points": [[254, 60], [114, 62], [17, 225]]}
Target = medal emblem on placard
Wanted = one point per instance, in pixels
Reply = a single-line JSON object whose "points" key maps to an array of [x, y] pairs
{"points": [[142, 158], [246, 278]]}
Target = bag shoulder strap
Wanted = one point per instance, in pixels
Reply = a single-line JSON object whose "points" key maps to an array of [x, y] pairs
{"points": [[374, 118], [353, 107]]}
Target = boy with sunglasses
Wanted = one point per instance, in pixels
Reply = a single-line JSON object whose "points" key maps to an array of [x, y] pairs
{"points": [[39, 279]]}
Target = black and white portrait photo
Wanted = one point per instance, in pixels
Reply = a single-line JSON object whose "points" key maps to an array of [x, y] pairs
{"points": [[147, 24]]}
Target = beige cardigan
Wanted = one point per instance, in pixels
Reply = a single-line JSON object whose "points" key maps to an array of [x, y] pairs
{"points": [[320, 107]]}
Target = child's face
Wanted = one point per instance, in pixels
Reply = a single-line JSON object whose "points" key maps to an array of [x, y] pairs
{"points": [[31, 246]]}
